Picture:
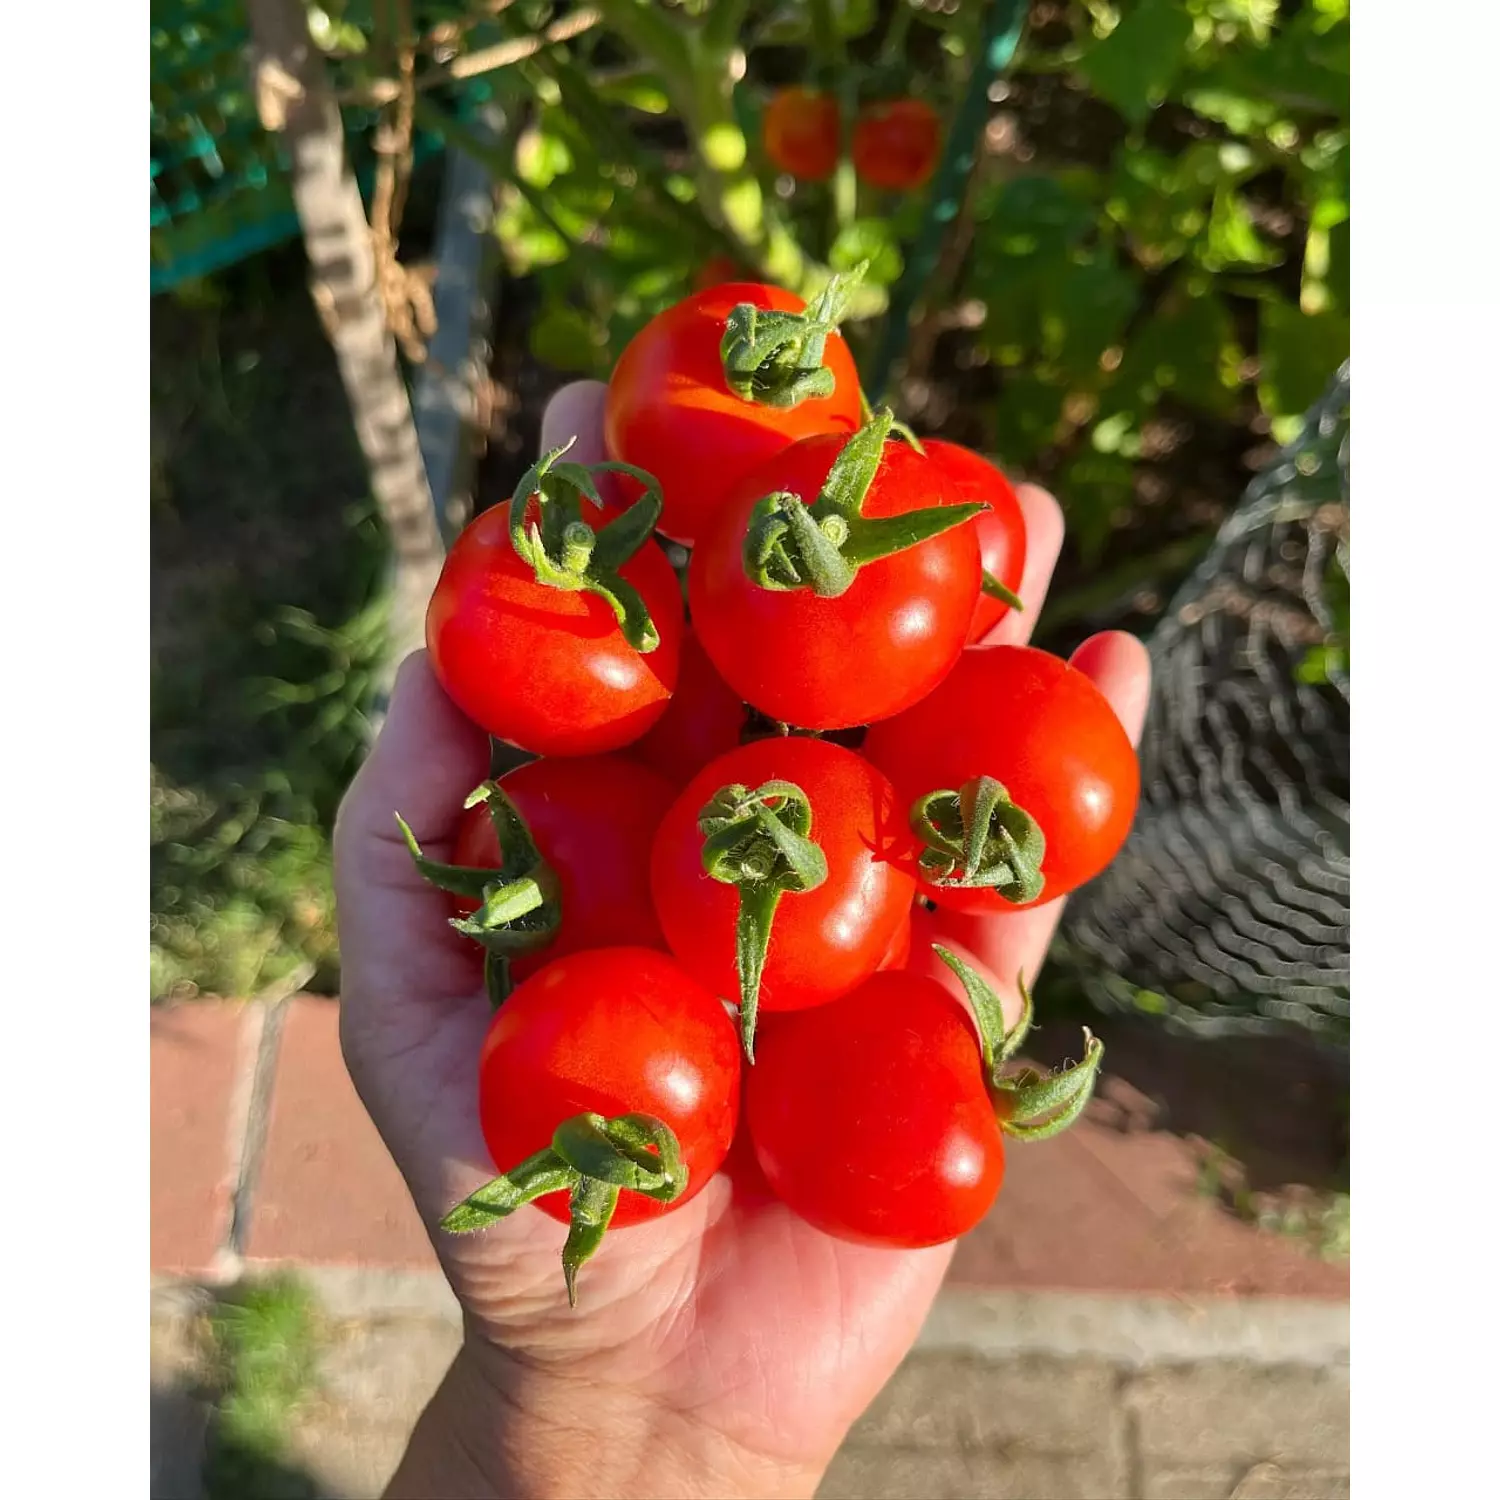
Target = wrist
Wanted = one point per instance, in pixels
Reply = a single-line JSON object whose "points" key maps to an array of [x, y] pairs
{"points": [[500, 1427]]}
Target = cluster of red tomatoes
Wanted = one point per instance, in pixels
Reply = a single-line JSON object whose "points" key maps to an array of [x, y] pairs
{"points": [[894, 143], [702, 890]]}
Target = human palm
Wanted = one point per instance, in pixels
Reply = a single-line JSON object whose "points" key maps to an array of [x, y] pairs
{"points": [[730, 1317]]}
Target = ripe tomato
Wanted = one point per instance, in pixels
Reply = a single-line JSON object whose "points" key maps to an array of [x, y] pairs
{"points": [[592, 819], [548, 668], [800, 131], [881, 1117], [610, 1032], [822, 661], [823, 940], [1049, 737], [895, 144], [715, 271], [670, 409], [898, 954], [870, 1116], [1000, 526], [704, 719]]}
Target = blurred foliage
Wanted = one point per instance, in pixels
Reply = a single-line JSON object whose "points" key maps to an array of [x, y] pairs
{"points": [[267, 563]]}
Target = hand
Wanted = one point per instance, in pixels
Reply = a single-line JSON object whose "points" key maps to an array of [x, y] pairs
{"points": [[723, 1349]]}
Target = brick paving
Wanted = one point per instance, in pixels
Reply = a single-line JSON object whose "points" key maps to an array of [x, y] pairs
{"points": [[262, 1155]]}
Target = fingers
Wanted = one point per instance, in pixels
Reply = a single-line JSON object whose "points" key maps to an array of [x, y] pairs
{"points": [[576, 411], [1044, 539], [1003, 946]]}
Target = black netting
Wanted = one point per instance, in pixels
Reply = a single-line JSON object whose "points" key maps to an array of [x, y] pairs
{"points": [[1228, 909]]}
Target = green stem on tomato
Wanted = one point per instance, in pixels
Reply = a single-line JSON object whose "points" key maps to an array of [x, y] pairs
{"points": [[759, 842], [592, 1158], [977, 838]]}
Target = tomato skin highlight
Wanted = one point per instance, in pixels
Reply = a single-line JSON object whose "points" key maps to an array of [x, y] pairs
{"points": [[823, 941], [833, 663], [1001, 527], [870, 1117], [545, 668], [800, 133], [1044, 731], [614, 1031], [593, 819], [703, 720], [895, 144], [669, 411]]}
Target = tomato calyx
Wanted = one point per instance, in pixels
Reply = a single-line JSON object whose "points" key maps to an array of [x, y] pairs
{"points": [[592, 1158], [776, 358], [992, 586], [823, 545], [976, 837], [548, 531], [1029, 1106], [898, 429], [759, 842], [520, 906]]}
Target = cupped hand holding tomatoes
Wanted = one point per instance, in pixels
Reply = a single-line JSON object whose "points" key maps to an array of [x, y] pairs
{"points": [[800, 133], [722, 381], [555, 628], [1023, 747], [837, 587], [882, 1117], [1000, 528], [758, 926], [608, 1095], [895, 144]]}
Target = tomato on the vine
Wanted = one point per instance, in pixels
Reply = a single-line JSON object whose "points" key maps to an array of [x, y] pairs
{"points": [[836, 587], [895, 144], [591, 820], [800, 132], [722, 381], [1000, 527], [554, 627], [1025, 749], [705, 719], [610, 1054], [771, 877], [898, 952], [881, 1118]]}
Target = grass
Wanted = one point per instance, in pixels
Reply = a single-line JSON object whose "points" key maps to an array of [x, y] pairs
{"points": [[263, 1365], [267, 629]]}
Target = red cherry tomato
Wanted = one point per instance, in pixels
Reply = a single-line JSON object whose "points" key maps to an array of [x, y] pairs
{"points": [[592, 819], [715, 271], [703, 720], [895, 144], [613, 1031], [870, 1116], [670, 411], [1042, 730], [1000, 527], [824, 941], [800, 131], [548, 668], [898, 955], [835, 662]]}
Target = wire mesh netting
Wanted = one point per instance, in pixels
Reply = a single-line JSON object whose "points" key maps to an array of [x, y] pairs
{"points": [[1228, 909]]}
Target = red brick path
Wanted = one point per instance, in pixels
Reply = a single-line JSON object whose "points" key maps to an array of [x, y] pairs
{"points": [[1099, 1209]]}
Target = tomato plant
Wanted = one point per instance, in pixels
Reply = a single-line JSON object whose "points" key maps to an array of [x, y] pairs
{"points": [[705, 719], [831, 591], [1000, 528], [800, 133], [610, 1061], [1019, 779], [771, 879], [895, 143], [722, 381], [881, 1118], [552, 634]]}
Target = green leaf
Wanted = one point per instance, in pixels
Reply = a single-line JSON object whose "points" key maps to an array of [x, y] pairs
{"points": [[1162, 202], [1298, 355], [567, 339], [1032, 216], [1135, 65], [1188, 348], [542, 156], [1231, 239], [644, 94], [1085, 311], [1027, 416], [1093, 488], [867, 240]]}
